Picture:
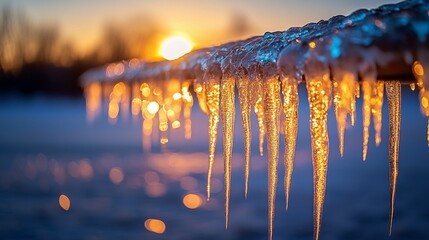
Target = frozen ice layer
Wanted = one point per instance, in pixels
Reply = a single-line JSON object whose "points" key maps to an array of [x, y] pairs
{"points": [[367, 54]]}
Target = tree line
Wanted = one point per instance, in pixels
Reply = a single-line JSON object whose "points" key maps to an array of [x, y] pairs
{"points": [[36, 58]]}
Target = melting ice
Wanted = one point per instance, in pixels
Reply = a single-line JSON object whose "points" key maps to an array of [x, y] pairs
{"points": [[369, 51]]}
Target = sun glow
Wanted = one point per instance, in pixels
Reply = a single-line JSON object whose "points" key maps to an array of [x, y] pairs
{"points": [[174, 47]]}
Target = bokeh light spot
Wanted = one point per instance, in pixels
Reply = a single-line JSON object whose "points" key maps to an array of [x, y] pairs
{"points": [[155, 225], [192, 201], [64, 202], [116, 175], [153, 107]]}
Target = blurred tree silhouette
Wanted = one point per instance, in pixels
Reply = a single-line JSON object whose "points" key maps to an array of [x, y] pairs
{"points": [[34, 58], [23, 42], [136, 38]]}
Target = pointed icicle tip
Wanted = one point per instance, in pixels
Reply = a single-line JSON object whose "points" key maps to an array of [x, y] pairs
{"points": [[228, 118], [319, 88], [212, 97], [272, 105], [245, 107], [290, 111], [393, 92]]}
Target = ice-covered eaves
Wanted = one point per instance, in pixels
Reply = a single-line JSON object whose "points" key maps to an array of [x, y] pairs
{"points": [[336, 58]]}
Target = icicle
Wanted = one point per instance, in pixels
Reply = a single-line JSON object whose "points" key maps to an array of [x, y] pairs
{"points": [[163, 125], [115, 101], [290, 110], [366, 112], [368, 84], [200, 92], [272, 104], [340, 115], [344, 88], [212, 96], [376, 109], [243, 85], [260, 115], [149, 108], [227, 105], [319, 93], [353, 107], [147, 126], [393, 92], [93, 97], [188, 101], [259, 111], [357, 90], [419, 73], [125, 101], [136, 100]]}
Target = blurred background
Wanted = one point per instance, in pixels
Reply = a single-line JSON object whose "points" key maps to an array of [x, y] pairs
{"points": [[45, 45], [64, 178]]}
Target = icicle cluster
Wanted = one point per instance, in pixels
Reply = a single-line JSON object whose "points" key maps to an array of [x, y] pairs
{"points": [[367, 51]]}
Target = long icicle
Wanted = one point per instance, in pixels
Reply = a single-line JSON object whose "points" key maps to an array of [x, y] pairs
{"points": [[393, 92], [212, 96], [227, 105], [368, 84], [340, 112], [272, 104], [366, 112], [290, 110], [245, 107], [319, 93]]}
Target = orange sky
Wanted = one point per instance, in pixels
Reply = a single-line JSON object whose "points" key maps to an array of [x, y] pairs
{"points": [[205, 22]]}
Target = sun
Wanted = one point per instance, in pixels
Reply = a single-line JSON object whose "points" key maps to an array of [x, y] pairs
{"points": [[174, 47]]}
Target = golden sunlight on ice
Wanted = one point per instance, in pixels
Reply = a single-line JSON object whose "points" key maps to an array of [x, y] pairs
{"points": [[243, 86], [319, 90], [376, 103], [290, 111], [344, 89], [393, 92], [272, 105], [212, 95], [256, 100], [93, 93], [166, 105], [227, 104]]}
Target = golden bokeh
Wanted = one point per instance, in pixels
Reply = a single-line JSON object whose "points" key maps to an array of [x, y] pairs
{"points": [[64, 202], [153, 107], [155, 225], [192, 201], [116, 175]]}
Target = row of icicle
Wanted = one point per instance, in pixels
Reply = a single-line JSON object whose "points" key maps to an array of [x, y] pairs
{"points": [[333, 58], [264, 97]]}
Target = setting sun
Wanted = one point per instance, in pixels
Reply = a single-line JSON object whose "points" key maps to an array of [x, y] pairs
{"points": [[174, 47]]}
